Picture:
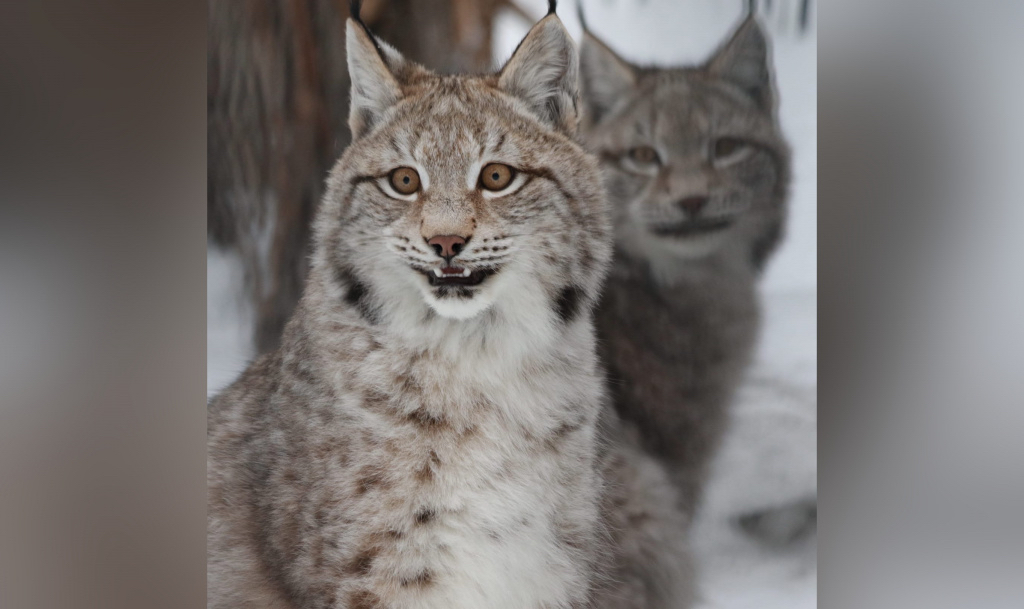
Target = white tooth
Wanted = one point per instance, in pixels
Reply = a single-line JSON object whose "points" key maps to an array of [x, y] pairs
{"points": [[465, 272], [437, 272]]}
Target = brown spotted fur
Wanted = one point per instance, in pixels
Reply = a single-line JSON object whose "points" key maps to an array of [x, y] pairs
{"points": [[403, 449]]}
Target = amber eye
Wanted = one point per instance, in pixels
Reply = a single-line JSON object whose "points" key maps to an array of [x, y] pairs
{"points": [[405, 180], [644, 155], [496, 176], [727, 146]]}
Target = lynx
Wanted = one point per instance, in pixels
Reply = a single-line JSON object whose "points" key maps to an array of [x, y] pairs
{"points": [[697, 174], [433, 432]]}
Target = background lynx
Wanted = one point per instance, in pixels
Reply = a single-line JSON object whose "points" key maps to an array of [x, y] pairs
{"points": [[697, 173], [428, 433]]}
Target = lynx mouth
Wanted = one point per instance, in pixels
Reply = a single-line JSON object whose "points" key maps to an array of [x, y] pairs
{"points": [[691, 227], [456, 276]]}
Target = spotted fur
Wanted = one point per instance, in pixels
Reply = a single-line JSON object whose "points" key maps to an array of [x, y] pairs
{"points": [[412, 445]]}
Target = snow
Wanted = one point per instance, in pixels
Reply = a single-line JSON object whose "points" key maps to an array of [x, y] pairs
{"points": [[768, 459], [229, 320], [770, 455]]}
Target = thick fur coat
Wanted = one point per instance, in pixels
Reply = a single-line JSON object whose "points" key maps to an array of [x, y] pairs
{"points": [[433, 431]]}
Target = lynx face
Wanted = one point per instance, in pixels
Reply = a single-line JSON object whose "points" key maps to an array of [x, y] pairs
{"points": [[466, 192], [692, 157]]}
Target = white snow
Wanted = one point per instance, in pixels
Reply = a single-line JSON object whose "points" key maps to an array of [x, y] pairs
{"points": [[768, 459], [770, 455], [229, 320]]}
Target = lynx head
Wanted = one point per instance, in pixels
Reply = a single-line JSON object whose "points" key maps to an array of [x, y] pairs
{"points": [[461, 195], [692, 156]]}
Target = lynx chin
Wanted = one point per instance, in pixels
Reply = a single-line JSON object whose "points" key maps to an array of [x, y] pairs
{"points": [[427, 435]]}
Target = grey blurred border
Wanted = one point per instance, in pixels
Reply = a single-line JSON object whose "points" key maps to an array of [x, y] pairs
{"points": [[102, 318], [102, 304], [921, 304]]}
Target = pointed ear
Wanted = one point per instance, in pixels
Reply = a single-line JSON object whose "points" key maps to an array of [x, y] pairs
{"points": [[544, 73], [743, 61], [606, 79], [372, 66]]}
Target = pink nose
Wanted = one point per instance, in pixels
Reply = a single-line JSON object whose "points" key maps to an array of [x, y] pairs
{"points": [[693, 205], [447, 246]]}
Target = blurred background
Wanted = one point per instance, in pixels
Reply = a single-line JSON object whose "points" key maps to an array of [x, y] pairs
{"points": [[277, 98]]}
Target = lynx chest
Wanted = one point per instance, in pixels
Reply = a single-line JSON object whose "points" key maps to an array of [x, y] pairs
{"points": [[462, 486]]}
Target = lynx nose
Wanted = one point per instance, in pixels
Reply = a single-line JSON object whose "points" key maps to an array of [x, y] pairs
{"points": [[693, 205], [447, 246]]}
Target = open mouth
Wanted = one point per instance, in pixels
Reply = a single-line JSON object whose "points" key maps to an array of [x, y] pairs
{"points": [[689, 228], [454, 275]]}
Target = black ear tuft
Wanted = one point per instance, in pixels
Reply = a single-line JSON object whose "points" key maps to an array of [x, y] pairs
{"points": [[354, 8], [552, 4]]}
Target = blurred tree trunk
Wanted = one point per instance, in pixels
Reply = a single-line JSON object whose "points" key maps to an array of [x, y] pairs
{"points": [[277, 111]]}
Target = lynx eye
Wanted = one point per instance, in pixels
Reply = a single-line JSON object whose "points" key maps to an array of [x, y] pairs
{"points": [[496, 176], [643, 155], [727, 146], [405, 180]]}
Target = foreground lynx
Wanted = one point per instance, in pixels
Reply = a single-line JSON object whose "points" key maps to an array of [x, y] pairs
{"points": [[428, 433], [697, 174]]}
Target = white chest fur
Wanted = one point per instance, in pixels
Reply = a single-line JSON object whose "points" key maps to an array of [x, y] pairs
{"points": [[491, 491]]}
